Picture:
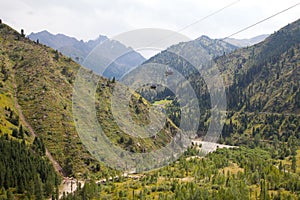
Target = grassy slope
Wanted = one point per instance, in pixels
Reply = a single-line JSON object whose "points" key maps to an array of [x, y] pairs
{"points": [[7, 94], [44, 80], [43, 93], [115, 134]]}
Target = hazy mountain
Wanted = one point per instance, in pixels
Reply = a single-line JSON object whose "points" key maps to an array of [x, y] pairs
{"points": [[188, 59], [211, 48], [246, 42], [79, 50]]}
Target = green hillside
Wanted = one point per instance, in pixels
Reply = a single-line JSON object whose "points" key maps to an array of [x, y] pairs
{"points": [[266, 74], [42, 80], [263, 87], [239, 173], [26, 173]]}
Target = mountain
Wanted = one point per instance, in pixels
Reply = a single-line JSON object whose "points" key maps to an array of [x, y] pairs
{"points": [[189, 59], [267, 73], [246, 42], [37, 90], [38, 125], [261, 83], [262, 90], [79, 51]]}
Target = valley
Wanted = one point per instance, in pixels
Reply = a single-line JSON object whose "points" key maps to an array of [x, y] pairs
{"points": [[257, 154]]}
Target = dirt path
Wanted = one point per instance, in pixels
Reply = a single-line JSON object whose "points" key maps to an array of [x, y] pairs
{"points": [[68, 185], [272, 113], [21, 116], [57, 167]]}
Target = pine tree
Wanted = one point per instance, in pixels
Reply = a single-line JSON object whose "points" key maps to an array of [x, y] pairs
{"points": [[113, 80], [15, 133], [21, 132], [38, 193], [294, 164], [22, 33]]}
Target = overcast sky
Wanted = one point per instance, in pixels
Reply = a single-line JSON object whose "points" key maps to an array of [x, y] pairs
{"points": [[87, 19]]}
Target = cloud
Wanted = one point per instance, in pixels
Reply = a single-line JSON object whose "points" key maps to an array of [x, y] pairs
{"points": [[86, 19]]}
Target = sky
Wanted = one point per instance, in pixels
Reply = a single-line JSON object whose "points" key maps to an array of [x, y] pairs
{"points": [[87, 19]]}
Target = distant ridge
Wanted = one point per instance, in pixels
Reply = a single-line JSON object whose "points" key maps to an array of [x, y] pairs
{"points": [[247, 42], [79, 50]]}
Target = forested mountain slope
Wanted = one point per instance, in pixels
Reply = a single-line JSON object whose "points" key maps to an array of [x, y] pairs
{"points": [[263, 87], [261, 83]]}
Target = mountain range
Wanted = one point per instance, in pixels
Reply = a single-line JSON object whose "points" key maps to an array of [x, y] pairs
{"points": [[40, 144], [79, 51]]}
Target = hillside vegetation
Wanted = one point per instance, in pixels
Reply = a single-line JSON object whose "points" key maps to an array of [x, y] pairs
{"points": [[263, 122], [261, 82], [262, 87], [43, 81]]}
